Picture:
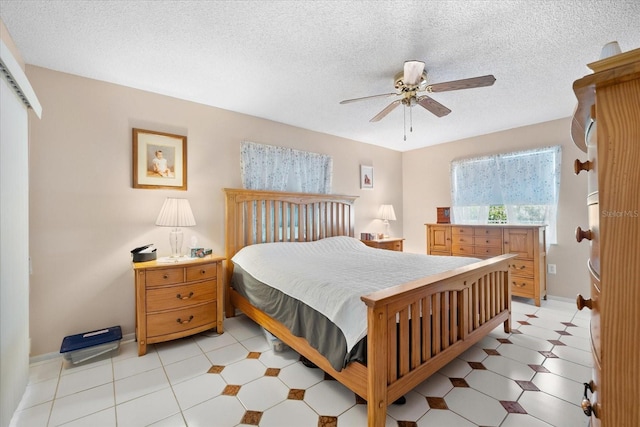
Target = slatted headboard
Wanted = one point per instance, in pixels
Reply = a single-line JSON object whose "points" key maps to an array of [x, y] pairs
{"points": [[257, 216]]}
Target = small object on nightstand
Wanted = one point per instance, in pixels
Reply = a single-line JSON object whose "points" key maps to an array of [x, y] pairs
{"points": [[444, 215], [144, 253], [200, 252]]}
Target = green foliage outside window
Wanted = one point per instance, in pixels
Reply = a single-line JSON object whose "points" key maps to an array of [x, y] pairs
{"points": [[497, 214]]}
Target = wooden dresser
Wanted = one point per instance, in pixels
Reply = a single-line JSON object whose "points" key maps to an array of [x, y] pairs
{"points": [[178, 299], [390, 243], [606, 125], [528, 269]]}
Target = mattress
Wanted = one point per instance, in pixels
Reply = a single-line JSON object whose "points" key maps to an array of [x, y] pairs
{"points": [[291, 281]]}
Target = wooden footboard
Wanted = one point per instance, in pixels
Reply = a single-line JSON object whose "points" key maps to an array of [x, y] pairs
{"points": [[417, 328]]}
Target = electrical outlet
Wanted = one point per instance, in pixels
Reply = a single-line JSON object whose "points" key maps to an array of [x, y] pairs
{"points": [[551, 268]]}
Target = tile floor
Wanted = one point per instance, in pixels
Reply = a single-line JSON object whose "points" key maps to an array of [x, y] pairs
{"points": [[532, 377]]}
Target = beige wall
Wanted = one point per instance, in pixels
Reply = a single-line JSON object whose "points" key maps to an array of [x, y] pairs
{"points": [[426, 186], [86, 217]]}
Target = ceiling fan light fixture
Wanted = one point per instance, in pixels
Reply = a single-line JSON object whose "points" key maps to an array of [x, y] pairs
{"points": [[413, 72]]}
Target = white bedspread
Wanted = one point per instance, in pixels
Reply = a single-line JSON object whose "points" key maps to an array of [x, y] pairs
{"points": [[330, 275]]}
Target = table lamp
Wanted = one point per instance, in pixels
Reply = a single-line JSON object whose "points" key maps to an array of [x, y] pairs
{"points": [[176, 213], [386, 214]]}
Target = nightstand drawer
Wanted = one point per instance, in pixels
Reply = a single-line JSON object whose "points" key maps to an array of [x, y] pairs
{"points": [[165, 276], [173, 297], [392, 246], [171, 322], [201, 272]]}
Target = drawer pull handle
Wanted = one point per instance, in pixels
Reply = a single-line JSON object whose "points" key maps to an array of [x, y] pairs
{"points": [[579, 166], [203, 271], [165, 276], [582, 234], [179, 296], [521, 285], [586, 403], [582, 303], [183, 322]]}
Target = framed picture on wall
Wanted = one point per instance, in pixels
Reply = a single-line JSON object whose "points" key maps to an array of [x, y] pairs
{"points": [[366, 176], [159, 160]]}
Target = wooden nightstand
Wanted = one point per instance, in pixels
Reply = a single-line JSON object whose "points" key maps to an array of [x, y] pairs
{"points": [[174, 300], [390, 243]]}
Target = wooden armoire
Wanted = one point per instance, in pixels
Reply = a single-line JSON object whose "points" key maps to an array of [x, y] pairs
{"points": [[606, 126]]}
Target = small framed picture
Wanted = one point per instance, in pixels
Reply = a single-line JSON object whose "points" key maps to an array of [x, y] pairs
{"points": [[366, 176], [159, 160]]}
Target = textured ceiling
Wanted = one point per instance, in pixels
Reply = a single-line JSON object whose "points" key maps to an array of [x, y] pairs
{"points": [[294, 61]]}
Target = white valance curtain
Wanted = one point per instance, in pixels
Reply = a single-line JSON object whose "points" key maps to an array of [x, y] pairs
{"points": [[527, 183], [268, 167]]}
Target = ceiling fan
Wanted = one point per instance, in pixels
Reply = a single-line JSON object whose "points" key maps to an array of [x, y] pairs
{"points": [[412, 81]]}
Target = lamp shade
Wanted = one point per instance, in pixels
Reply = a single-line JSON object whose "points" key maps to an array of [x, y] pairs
{"points": [[176, 213], [387, 213]]}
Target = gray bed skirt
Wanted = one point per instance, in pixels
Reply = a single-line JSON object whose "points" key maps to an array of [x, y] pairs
{"points": [[300, 319]]}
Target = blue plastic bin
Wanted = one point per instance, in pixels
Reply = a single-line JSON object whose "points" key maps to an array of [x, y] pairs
{"points": [[88, 345]]}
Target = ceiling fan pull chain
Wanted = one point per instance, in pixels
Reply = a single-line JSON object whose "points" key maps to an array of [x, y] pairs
{"points": [[404, 122], [411, 119]]}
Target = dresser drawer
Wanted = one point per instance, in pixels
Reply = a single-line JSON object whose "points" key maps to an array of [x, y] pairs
{"points": [[461, 231], [174, 297], [487, 251], [462, 239], [488, 232], [201, 272], [165, 276], [521, 267], [171, 322], [522, 286], [462, 250], [488, 241]]}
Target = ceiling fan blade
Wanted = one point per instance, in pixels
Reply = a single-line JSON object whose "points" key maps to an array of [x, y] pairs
{"points": [[412, 72], [462, 84], [386, 110], [433, 106], [364, 98]]}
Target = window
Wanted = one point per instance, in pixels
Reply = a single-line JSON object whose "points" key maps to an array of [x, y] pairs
{"points": [[267, 167], [511, 188]]}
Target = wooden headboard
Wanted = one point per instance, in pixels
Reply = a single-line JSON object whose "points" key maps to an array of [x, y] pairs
{"points": [[257, 216]]}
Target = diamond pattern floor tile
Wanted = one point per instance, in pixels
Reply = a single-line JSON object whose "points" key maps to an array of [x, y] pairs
{"points": [[531, 377]]}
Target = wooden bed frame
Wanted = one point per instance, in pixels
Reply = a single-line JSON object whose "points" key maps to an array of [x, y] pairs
{"points": [[402, 350]]}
